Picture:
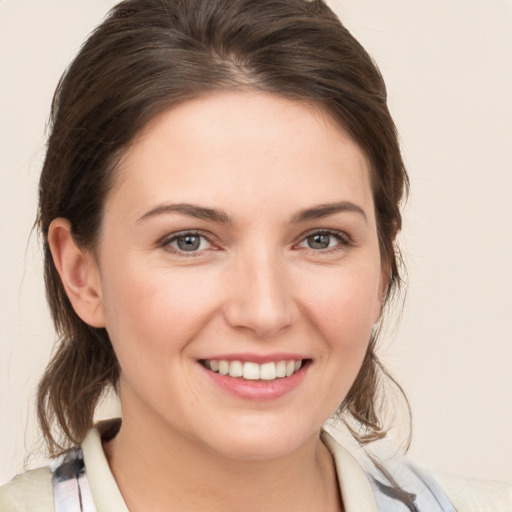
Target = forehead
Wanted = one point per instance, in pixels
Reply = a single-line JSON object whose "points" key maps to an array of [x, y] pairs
{"points": [[243, 147]]}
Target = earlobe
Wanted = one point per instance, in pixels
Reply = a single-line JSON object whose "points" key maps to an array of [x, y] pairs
{"points": [[78, 272]]}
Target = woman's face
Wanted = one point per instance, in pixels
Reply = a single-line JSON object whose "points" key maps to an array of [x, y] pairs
{"points": [[240, 237]]}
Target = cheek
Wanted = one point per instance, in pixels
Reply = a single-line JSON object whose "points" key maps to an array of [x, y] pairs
{"points": [[151, 316], [342, 309], [153, 307], [344, 304]]}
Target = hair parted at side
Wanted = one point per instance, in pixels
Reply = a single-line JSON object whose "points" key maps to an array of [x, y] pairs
{"points": [[148, 55]]}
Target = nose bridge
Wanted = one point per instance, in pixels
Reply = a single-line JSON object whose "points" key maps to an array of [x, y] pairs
{"points": [[260, 296]]}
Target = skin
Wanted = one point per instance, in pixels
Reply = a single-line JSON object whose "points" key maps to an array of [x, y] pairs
{"points": [[255, 285]]}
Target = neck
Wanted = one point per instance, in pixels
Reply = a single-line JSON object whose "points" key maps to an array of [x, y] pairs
{"points": [[160, 469]]}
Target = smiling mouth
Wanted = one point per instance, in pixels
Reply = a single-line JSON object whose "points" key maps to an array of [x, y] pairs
{"points": [[249, 370]]}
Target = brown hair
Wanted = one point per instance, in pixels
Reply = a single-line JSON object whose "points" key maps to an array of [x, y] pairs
{"points": [[148, 55]]}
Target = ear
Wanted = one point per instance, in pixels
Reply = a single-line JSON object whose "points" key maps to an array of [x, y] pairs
{"points": [[78, 272]]}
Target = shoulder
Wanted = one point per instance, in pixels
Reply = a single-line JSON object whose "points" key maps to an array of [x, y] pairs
{"points": [[469, 495], [28, 492]]}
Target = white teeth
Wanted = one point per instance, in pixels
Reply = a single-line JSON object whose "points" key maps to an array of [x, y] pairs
{"points": [[254, 371], [223, 367], [281, 369], [268, 371], [251, 371], [235, 369]]}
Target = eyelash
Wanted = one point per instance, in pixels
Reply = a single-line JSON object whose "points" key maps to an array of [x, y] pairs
{"points": [[343, 241]]}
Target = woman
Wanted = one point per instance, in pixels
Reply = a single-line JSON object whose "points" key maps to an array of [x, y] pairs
{"points": [[219, 204]]}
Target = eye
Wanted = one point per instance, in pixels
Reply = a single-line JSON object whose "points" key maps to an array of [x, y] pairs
{"points": [[187, 242], [322, 240]]}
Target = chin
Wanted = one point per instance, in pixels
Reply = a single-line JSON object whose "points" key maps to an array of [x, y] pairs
{"points": [[256, 440]]}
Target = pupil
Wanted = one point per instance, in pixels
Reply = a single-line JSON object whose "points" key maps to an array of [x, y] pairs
{"points": [[319, 241], [189, 243]]}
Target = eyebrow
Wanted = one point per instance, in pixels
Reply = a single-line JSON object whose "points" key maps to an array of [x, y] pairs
{"points": [[214, 215], [324, 210], [199, 212]]}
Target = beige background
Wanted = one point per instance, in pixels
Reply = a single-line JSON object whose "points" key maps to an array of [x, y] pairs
{"points": [[448, 67]]}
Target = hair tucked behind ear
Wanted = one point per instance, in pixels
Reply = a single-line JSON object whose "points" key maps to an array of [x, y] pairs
{"points": [[148, 55]]}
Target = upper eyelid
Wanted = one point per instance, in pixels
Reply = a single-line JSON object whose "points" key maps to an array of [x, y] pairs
{"points": [[194, 232], [342, 235]]}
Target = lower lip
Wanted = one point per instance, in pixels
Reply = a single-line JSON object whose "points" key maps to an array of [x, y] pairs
{"points": [[258, 390]]}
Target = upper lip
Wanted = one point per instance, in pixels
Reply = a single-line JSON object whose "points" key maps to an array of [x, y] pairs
{"points": [[257, 358]]}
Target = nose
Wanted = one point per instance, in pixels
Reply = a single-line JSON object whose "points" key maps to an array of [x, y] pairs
{"points": [[260, 296]]}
